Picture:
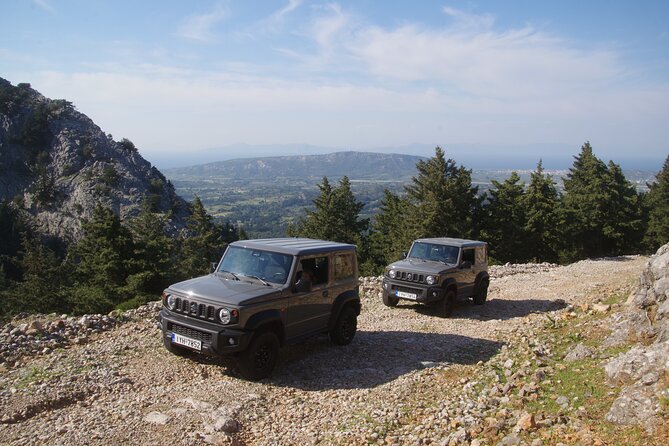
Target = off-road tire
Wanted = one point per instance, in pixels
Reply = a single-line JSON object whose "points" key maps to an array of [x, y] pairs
{"points": [[481, 292], [390, 301], [259, 359], [345, 327], [448, 303], [175, 349]]}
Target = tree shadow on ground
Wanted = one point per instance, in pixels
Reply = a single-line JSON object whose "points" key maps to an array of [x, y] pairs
{"points": [[495, 309], [375, 358]]}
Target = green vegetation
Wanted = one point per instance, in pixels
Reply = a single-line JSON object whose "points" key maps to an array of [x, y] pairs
{"points": [[115, 265]]}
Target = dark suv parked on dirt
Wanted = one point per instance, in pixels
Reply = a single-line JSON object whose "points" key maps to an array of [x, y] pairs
{"points": [[437, 271], [262, 294]]}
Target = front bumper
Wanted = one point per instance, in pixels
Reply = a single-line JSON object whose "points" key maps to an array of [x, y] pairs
{"points": [[425, 294], [216, 340]]}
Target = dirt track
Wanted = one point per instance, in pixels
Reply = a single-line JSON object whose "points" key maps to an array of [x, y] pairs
{"points": [[122, 387]]}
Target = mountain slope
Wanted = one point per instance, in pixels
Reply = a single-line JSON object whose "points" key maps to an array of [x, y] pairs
{"points": [[58, 165], [355, 165]]}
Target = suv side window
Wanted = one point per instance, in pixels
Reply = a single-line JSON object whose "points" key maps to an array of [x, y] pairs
{"points": [[343, 266], [318, 269], [468, 255], [480, 255]]}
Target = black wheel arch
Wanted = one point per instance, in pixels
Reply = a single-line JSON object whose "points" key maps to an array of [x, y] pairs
{"points": [[269, 320], [347, 298]]}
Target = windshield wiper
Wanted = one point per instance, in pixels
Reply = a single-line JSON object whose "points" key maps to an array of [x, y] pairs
{"points": [[229, 272], [257, 278]]}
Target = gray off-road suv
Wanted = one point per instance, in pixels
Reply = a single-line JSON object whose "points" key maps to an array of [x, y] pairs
{"points": [[437, 271], [261, 295]]}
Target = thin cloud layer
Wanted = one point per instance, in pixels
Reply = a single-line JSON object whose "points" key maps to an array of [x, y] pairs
{"points": [[330, 76]]}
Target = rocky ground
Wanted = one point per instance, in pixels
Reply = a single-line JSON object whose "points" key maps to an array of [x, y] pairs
{"points": [[526, 368]]}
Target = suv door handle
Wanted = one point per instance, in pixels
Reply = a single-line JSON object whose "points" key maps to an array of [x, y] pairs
{"points": [[325, 293]]}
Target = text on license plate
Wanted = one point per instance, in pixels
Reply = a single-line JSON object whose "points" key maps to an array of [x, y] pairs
{"points": [[186, 342], [405, 295]]}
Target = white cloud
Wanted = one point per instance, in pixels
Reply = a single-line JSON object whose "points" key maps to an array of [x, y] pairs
{"points": [[200, 27], [469, 21], [45, 5], [290, 7]]}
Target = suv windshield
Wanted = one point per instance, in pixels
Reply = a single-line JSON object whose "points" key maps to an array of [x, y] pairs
{"points": [[434, 252], [264, 265]]}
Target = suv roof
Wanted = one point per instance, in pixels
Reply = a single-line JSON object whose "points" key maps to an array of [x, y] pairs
{"points": [[460, 242], [294, 246]]}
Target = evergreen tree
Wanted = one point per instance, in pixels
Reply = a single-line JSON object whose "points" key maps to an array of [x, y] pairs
{"points": [[153, 255], [443, 202], [13, 229], [657, 204], [203, 243], [601, 212], [41, 290], [335, 217], [390, 235], [100, 262], [623, 227], [541, 203], [504, 227]]}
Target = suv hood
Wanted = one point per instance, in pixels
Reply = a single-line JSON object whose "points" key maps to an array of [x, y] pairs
{"points": [[422, 266], [217, 289]]}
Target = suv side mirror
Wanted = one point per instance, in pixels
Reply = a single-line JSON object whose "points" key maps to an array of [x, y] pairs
{"points": [[212, 267], [404, 254], [466, 264]]}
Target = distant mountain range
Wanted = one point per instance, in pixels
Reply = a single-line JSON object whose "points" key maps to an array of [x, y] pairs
{"points": [[355, 165]]}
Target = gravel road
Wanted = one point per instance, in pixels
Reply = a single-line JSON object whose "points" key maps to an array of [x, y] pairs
{"points": [[408, 377]]}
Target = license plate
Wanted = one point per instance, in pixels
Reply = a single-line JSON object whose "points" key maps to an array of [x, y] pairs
{"points": [[187, 342], [405, 295]]}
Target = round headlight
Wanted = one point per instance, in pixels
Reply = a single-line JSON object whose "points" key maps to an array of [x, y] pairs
{"points": [[392, 273], [224, 315], [171, 302], [430, 280]]}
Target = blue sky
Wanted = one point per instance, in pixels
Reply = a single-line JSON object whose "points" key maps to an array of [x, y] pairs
{"points": [[520, 78]]}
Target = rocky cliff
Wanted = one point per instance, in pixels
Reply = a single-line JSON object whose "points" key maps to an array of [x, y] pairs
{"points": [[643, 371], [57, 165]]}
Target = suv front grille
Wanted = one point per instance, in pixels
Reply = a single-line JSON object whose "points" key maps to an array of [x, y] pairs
{"points": [[410, 277], [195, 309], [205, 338]]}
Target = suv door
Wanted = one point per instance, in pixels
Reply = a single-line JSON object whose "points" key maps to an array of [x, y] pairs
{"points": [[309, 307], [467, 275]]}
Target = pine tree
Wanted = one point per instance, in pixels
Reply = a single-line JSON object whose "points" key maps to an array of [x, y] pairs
{"points": [[657, 204], [442, 199], [41, 290], [601, 211], [335, 216], [505, 223], [100, 263], [390, 234], [153, 255], [203, 243], [623, 227], [541, 203]]}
